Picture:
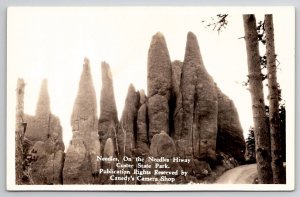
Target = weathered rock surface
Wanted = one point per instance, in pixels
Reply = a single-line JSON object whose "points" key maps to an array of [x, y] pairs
{"points": [[108, 120], [181, 138], [128, 127], [44, 125], [77, 167], [230, 138], [185, 115], [175, 103], [159, 85], [44, 136], [109, 149], [199, 105], [80, 164], [47, 169], [163, 147], [108, 152], [142, 138], [126, 136]]}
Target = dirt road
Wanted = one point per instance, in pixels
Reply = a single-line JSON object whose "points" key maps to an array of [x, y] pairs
{"points": [[244, 174]]}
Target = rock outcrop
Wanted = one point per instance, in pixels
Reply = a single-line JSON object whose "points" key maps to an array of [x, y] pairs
{"points": [[47, 169], [159, 85], [185, 115], [108, 121], [176, 110], [199, 101], [43, 124], [229, 129], [81, 165], [43, 139], [142, 138], [126, 136], [128, 127]]}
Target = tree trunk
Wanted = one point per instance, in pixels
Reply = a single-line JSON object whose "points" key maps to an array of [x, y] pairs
{"points": [[262, 135], [276, 149], [19, 131]]}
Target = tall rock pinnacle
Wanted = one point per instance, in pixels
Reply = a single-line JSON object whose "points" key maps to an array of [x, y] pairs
{"points": [[185, 116], [128, 125], [43, 138], [85, 107], [80, 162], [199, 100], [44, 125], [43, 105], [108, 120], [142, 138], [159, 85]]}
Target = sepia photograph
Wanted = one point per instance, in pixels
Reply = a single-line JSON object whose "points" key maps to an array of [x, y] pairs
{"points": [[182, 98]]}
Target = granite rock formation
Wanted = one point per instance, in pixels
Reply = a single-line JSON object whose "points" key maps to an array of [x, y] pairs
{"points": [[43, 124], [47, 169], [176, 110], [128, 127], [43, 140], [164, 149], [229, 129], [185, 115], [159, 85], [199, 103], [142, 138], [81, 164], [108, 121], [127, 130], [108, 151]]}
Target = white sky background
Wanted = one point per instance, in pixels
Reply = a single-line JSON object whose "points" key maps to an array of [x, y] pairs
{"points": [[52, 43]]}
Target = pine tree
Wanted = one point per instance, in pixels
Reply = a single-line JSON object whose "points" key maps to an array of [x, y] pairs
{"points": [[250, 146], [277, 164], [261, 132]]}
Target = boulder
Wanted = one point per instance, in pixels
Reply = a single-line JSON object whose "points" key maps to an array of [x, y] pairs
{"points": [[163, 147], [108, 151]]}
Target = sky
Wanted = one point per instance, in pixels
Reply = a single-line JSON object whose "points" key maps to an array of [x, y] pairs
{"points": [[52, 43]]}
